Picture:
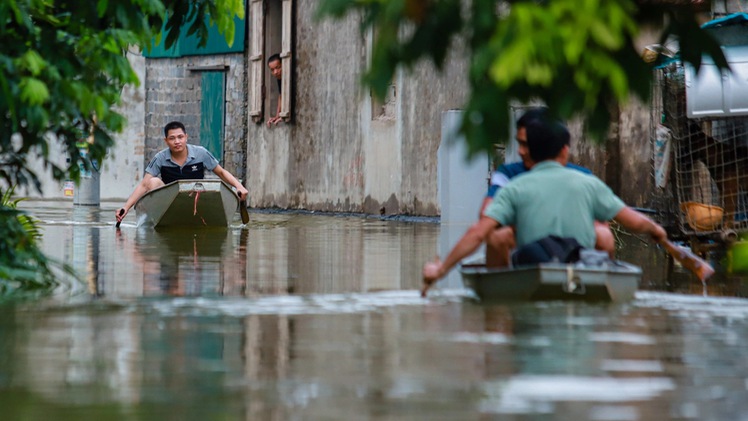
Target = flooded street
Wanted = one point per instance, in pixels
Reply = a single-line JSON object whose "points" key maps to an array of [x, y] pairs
{"points": [[301, 316]]}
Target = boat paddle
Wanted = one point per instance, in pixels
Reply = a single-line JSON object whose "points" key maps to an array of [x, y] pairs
{"points": [[121, 212], [690, 261], [243, 211]]}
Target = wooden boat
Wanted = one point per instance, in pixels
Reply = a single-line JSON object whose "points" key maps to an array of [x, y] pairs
{"points": [[188, 203], [614, 281]]}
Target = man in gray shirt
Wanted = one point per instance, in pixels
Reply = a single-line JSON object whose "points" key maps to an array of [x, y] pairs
{"points": [[179, 161]]}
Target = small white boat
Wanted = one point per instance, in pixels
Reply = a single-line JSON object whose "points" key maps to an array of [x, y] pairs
{"points": [[613, 281], [188, 203]]}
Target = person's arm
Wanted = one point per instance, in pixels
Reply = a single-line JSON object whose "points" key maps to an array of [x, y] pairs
{"points": [[140, 190], [486, 201], [637, 222], [231, 180], [277, 119], [470, 241]]}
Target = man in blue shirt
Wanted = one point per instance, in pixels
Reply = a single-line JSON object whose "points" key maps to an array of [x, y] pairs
{"points": [[547, 200]]}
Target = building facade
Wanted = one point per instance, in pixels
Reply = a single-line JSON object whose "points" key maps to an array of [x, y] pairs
{"points": [[338, 148]]}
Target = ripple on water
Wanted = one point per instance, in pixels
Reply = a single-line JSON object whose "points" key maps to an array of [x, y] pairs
{"points": [[298, 304], [694, 305], [536, 394]]}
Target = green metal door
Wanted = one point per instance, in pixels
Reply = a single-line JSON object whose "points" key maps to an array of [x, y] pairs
{"points": [[212, 112]]}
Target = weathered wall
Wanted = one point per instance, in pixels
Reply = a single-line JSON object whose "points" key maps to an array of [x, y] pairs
{"points": [[625, 160], [338, 153], [333, 155], [123, 171], [425, 95], [173, 92], [636, 181]]}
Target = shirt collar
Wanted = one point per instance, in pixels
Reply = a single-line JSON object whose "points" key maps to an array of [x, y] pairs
{"points": [[190, 154], [550, 163]]}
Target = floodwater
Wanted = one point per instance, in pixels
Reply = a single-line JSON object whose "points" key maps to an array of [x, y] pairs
{"points": [[309, 317]]}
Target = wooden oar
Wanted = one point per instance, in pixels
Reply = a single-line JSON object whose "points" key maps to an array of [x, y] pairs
{"points": [[690, 261], [243, 211]]}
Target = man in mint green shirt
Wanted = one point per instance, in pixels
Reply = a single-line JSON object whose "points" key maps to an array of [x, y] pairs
{"points": [[547, 200], [565, 212]]}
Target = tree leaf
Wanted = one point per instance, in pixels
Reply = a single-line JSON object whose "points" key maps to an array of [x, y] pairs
{"points": [[33, 91]]}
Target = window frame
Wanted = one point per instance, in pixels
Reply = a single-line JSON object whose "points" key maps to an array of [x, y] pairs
{"points": [[258, 54], [256, 59], [286, 58]]}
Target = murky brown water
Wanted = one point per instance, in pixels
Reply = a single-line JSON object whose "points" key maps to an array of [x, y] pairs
{"points": [[318, 317]]}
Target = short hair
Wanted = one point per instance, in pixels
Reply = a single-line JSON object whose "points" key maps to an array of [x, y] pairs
{"points": [[532, 114], [173, 126], [274, 57], [546, 136]]}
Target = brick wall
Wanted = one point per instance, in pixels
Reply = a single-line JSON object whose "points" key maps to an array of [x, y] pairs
{"points": [[173, 92]]}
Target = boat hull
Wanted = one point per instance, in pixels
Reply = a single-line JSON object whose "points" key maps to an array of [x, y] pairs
{"points": [[188, 203], [617, 281]]}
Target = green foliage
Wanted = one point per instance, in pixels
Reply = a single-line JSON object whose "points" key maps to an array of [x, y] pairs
{"points": [[63, 66], [191, 13], [576, 56], [23, 267]]}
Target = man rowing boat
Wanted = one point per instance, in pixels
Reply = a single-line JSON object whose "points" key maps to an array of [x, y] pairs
{"points": [[179, 161], [549, 200]]}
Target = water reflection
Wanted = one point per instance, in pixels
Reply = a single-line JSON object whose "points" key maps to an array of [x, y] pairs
{"points": [[186, 262], [663, 357], [282, 254], [308, 317], [273, 255], [85, 247]]}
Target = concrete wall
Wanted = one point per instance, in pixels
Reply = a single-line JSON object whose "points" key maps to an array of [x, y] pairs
{"points": [[173, 92], [123, 171], [333, 155], [636, 182], [624, 158]]}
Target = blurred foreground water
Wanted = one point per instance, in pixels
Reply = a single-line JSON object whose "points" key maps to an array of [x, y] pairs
{"points": [[319, 317]]}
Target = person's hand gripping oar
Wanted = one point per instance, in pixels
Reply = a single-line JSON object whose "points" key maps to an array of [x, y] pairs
{"points": [[690, 261], [243, 208], [120, 216], [432, 271]]}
